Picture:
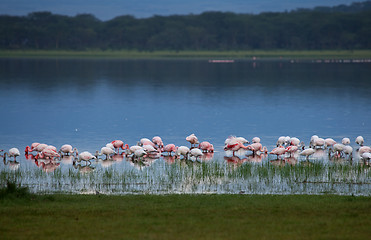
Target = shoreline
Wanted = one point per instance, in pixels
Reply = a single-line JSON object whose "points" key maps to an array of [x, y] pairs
{"points": [[219, 56]]}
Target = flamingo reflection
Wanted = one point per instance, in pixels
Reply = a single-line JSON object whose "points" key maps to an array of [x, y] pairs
{"points": [[47, 165], [83, 168]]}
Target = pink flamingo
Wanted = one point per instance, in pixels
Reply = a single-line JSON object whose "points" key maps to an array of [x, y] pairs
{"points": [[278, 151], [170, 148], [158, 141], [292, 149], [234, 145], [117, 144], [329, 142], [257, 147], [206, 147], [32, 148], [67, 149], [192, 139], [13, 152], [48, 152], [86, 156], [38, 147]]}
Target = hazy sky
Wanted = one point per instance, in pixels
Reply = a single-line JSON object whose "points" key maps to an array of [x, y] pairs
{"points": [[108, 9]]}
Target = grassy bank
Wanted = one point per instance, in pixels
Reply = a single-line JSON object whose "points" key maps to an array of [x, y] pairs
{"points": [[248, 55], [27, 216]]}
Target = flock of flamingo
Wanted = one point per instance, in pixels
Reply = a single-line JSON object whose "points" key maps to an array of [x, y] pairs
{"points": [[155, 148]]}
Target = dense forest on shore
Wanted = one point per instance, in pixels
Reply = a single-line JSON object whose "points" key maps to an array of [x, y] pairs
{"points": [[339, 27]]}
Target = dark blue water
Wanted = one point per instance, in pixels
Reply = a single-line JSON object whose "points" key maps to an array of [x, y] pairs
{"points": [[88, 103]]}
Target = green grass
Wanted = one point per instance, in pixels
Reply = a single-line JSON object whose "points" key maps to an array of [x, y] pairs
{"points": [[133, 54], [30, 216]]}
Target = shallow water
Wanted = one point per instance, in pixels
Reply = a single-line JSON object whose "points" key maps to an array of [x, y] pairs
{"points": [[88, 103]]}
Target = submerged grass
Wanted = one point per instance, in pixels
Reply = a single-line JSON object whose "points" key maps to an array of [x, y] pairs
{"points": [[186, 217], [195, 177]]}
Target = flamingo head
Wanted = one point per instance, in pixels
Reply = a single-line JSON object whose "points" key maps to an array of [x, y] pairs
{"points": [[28, 149]]}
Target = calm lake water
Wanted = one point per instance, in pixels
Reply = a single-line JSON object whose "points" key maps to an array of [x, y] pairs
{"points": [[88, 103]]}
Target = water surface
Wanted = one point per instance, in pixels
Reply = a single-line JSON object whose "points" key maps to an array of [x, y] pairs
{"points": [[90, 102]]}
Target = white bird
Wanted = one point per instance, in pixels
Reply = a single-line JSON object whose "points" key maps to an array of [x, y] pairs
{"points": [[110, 145], [294, 141], [67, 149], [307, 152], [183, 150], [192, 139], [312, 139], [105, 151], [366, 156], [348, 150], [149, 149], [86, 156], [158, 141], [345, 141], [132, 149], [329, 142], [283, 140], [255, 140], [338, 148], [364, 149], [13, 152], [360, 140], [195, 152], [143, 141], [139, 153], [318, 142]]}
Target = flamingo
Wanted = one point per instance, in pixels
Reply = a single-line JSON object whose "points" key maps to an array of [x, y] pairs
{"points": [[294, 141], [307, 152], [37, 147], [312, 139], [234, 145], [318, 142], [256, 147], [158, 141], [132, 149], [283, 140], [242, 140], [348, 150], [117, 144], [360, 140], [32, 148], [195, 152], [329, 142], [67, 149], [366, 156], [48, 152], [255, 140], [183, 150], [278, 151], [139, 153], [338, 148], [86, 156], [143, 140], [170, 148], [13, 152], [192, 139], [150, 149], [364, 149], [292, 149], [105, 151], [206, 147], [345, 141]]}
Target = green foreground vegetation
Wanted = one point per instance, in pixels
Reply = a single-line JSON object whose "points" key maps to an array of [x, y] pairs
{"points": [[29, 216], [237, 55]]}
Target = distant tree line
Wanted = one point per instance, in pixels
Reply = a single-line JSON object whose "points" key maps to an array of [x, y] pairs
{"points": [[340, 27]]}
